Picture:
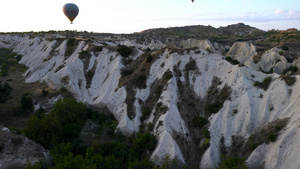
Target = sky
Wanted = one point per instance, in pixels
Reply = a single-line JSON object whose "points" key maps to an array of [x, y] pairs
{"points": [[128, 16]]}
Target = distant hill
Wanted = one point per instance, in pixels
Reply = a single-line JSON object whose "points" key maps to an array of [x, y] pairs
{"points": [[200, 31]]}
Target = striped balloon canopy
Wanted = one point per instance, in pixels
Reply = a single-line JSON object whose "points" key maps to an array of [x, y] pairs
{"points": [[71, 11]]}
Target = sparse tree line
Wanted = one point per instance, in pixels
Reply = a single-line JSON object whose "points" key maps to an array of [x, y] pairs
{"points": [[59, 131], [9, 62]]}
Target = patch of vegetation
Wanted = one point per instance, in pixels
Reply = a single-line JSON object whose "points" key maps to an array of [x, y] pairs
{"points": [[124, 51], [71, 46], [285, 47], [61, 125], [191, 65], [209, 50], [199, 121], [90, 74], [84, 54], [267, 72], [112, 150], [281, 53], [233, 162], [126, 71], [289, 80], [272, 137], [149, 58], [97, 49], [232, 61], [216, 97], [9, 62], [27, 106], [44, 92], [259, 49], [205, 143], [144, 142], [168, 75], [265, 134], [140, 81], [59, 67], [146, 111], [5, 91], [291, 69], [214, 107], [264, 84]]}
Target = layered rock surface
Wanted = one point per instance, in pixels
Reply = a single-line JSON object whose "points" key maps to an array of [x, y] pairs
{"points": [[193, 68]]}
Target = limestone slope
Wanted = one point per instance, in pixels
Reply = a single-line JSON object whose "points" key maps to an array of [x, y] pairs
{"points": [[180, 84]]}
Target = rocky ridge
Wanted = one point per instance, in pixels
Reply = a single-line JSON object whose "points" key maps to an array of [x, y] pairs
{"points": [[172, 82]]}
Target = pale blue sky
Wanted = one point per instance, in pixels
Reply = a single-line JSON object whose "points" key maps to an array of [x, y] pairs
{"points": [[127, 16]]}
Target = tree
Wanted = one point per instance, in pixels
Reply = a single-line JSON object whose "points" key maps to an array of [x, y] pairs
{"points": [[4, 92], [62, 124], [27, 104], [124, 51], [233, 163]]}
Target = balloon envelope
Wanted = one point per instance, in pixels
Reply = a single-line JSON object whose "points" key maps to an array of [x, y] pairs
{"points": [[71, 11]]}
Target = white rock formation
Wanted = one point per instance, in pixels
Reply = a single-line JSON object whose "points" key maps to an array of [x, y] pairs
{"points": [[272, 60], [255, 107], [242, 51]]}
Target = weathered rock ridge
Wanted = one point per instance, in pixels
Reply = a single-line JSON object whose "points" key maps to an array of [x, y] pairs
{"points": [[190, 72]]}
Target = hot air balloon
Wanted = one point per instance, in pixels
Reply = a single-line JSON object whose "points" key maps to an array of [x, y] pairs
{"points": [[71, 11], [192, 0]]}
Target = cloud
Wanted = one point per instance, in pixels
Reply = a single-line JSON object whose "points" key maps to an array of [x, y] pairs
{"points": [[287, 14], [278, 11], [250, 16]]}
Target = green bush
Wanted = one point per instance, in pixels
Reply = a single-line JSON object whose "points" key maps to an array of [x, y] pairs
{"points": [[27, 104], [191, 65], [272, 137], [59, 67], [233, 163], [233, 61], [149, 58], [143, 142], [71, 45], [90, 74], [124, 51], [199, 121], [289, 80], [97, 49], [71, 42], [83, 52], [140, 81], [259, 49], [145, 113], [64, 158], [126, 71], [139, 164], [214, 107], [168, 75], [293, 69], [5, 92], [264, 84], [284, 47], [206, 133], [44, 92]]}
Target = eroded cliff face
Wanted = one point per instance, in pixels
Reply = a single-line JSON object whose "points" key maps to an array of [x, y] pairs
{"points": [[198, 105]]}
